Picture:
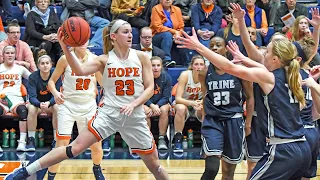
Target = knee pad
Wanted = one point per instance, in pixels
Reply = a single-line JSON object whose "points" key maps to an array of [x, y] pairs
{"points": [[211, 167], [69, 152], [22, 111]]}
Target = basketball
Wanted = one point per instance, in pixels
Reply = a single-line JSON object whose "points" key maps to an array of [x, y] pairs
{"points": [[76, 31]]}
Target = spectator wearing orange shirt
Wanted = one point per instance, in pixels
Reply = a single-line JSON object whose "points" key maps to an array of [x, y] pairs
{"points": [[167, 24], [256, 18]]}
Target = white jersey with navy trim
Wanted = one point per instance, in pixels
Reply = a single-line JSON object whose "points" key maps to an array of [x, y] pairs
{"points": [[79, 88], [122, 80]]}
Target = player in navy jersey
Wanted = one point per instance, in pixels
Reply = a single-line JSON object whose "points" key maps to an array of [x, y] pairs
{"points": [[306, 48], [223, 125], [279, 98]]}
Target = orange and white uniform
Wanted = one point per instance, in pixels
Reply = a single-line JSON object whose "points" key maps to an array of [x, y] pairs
{"points": [[80, 100], [123, 83], [11, 86]]}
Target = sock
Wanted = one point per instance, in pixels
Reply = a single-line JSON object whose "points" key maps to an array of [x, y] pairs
{"points": [[23, 136], [54, 134], [51, 175], [31, 134], [33, 167]]}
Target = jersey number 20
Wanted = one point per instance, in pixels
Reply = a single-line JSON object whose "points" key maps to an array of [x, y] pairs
{"points": [[120, 86], [82, 84]]}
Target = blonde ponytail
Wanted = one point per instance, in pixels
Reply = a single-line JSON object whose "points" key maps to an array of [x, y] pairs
{"points": [[293, 78]]}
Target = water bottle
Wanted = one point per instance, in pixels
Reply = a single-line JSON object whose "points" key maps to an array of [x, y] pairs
{"points": [[190, 138], [124, 144], [5, 98], [36, 138], [112, 137], [185, 143], [41, 137], [5, 138], [12, 138], [55, 8]]}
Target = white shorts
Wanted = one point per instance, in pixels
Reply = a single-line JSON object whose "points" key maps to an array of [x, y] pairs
{"points": [[16, 101], [133, 129], [70, 112]]}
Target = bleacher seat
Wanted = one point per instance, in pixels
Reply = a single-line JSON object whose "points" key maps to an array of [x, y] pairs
{"points": [[175, 73]]}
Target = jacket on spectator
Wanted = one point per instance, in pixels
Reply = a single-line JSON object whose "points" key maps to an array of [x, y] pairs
{"points": [[283, 10], [35, 28], [259, 18], [162, 90], [155, 50], [158, 17], [199, 20], [185, 6], [38, 89], [23, 53], [121, 6], [224, 4]]}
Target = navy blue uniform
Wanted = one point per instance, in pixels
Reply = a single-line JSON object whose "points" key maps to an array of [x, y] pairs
{"points": [[256, 141], [222, 129], [287, 154], [311, 132]]}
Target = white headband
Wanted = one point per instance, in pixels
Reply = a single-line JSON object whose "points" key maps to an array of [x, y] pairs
{"points": [[44, 56], [117, 24]]}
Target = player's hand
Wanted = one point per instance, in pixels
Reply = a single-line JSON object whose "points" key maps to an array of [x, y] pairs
{"points": [[155, 109], [147, 111], [59, 98], [309, 82], [197, 105], [189, 42], [60, 38], [315, 72], [127, 110], [237, 11]]}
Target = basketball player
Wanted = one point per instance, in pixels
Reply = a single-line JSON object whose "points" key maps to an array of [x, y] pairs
{"points": [[76, 103], [279, 98], [40, 98], [188, 99], [223, 125], [11, 75], [128, 84], [305, 48]]}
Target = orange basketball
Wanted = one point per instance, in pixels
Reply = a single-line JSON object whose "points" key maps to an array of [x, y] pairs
{"points": [[76, 31]]}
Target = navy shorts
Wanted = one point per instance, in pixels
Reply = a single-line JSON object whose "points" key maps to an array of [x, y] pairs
{"points": [[255, 142], [312, 137], [283, 161], [223, 138]]}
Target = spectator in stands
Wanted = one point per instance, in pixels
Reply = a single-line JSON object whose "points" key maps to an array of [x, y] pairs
{"points": [[42, 25], [256, 17], [270, 7], [6, 5], [85, 9], [40, 98], [129, 11], [3, 35], [188, 99], [146, 44], [224, 4], [167, 24], [232, 33], [206, 19], [185, 7], [11, 91], [290, 6], [253, 34], [24, 56], [299, 29], [158, 105]]}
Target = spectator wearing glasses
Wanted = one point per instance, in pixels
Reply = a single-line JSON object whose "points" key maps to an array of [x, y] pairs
{"points": [[146, 44], [24, 56]]}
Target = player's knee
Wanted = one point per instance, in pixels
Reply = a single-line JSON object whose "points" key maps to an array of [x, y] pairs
{"points": [[32, 110], [96, 147], [211, 167], [22, 111], [180, 109]]}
